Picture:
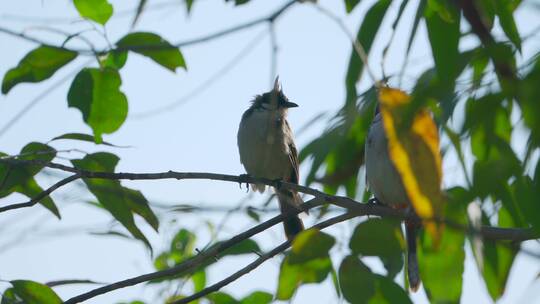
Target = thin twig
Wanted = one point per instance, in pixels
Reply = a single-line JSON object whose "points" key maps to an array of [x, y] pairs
{"points": [[204, 85], [270, 18], [358, 47]]}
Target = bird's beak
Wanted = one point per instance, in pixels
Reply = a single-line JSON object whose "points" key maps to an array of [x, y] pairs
{"points": [[289, 104]]}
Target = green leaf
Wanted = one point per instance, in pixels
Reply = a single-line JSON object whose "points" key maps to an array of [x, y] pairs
{"points": [[221, 298], [311, 244], [441, 267], [388, 292], [120, 201], [505, 10], [498, 259], [199, 280], [356, 280], [32, 189], [240, 2], [115, 59], [184, 243], [20, 177], [526, 192], [155, 47], [366, 34], [96, 93], [381, 238], [39, 64], [189, 5], [292, 275], [35, 293], [350, 5], [84, 137], [257, 297], [244, 247], [444, 39], [9, 297], [97, 10]]}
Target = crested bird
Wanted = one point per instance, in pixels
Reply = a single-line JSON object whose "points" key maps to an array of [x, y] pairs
{"points": [[267, 150]]}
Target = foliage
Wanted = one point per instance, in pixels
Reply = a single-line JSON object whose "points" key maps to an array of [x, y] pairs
{"points": [[490, 84]]}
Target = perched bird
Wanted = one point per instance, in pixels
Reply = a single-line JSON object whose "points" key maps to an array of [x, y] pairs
{"points": [[385, 183], [267, 150]]}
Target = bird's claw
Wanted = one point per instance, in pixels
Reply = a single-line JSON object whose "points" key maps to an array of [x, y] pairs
{"points": [[241, 181], [277, 183]]}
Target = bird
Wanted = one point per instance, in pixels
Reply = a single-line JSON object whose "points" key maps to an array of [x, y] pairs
{"points": [[385, 183], [267, 150]]}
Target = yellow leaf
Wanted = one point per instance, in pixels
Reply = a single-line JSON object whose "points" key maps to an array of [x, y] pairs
{"points": [[414, 150]]}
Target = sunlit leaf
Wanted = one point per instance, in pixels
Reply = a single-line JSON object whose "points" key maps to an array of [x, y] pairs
{"points": [[414, 150], [114, 59], [356, 280], [199, 280], [381, 238], [221, 298], [155, 47], [39, 64], [310, 244], [257, 297], [35, 293], [183, 242], [96, 93], [9, 297], [292, 275], [96, 10]]}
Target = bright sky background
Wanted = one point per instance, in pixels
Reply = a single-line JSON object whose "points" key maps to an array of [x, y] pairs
{"points": [[198, 135]]}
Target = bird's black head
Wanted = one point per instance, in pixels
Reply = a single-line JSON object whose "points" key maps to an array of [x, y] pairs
{"points": [[274, 99]]}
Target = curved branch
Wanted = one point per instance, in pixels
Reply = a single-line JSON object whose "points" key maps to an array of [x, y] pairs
{"points": [[263, 258], [41, 195], [194, 262]]}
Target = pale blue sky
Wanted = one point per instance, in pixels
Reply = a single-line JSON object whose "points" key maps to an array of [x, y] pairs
{"points": [[199, 135]]}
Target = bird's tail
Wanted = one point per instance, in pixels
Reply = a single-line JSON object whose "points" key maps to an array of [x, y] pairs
{"points": [[289, 201], [411, 229]]}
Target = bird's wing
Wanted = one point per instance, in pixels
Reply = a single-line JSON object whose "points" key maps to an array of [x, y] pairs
{"points": [[293, 157]]}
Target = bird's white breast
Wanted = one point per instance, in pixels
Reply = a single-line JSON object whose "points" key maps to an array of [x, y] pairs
{"points": [[264, 151], [382, 177]]}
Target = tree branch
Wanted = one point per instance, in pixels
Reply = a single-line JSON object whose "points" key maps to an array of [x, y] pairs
{"points": [[495, 233], [355, 209], [41, 195], [194, 262], [270, 18], [263, 258]]}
